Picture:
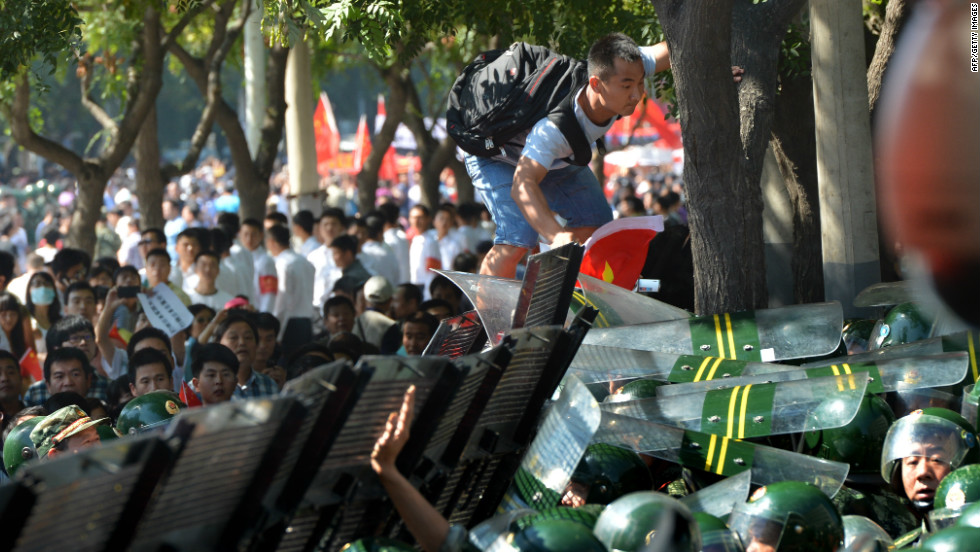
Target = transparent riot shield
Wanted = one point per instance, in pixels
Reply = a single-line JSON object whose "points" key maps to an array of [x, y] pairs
{"points": [[720, 498], [755, 410], [495, 299], [719, 455], [970, 407], [863, 535], [619, 307], [551, 459], [884, 376], [886, 294], [931, 346], [764, 335]]}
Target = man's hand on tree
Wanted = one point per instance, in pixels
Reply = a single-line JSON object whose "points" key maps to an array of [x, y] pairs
{"points": [[737, 73]]}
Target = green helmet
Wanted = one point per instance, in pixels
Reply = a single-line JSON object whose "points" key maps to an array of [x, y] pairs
{"points": [[609, 472], [715, 534], [857, 335], [586, 515], [633, 521], [970, 516], [149, 411], [553, 535], [930, 432], [860, 533], [859, 442], [953, 539], [377, 544], [959, 488], [19, 448], [106, 432], [636, 389], [904, 323], [790, 516]]}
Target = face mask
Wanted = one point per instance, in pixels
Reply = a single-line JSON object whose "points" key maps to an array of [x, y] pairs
{"points": [[42, 296]]}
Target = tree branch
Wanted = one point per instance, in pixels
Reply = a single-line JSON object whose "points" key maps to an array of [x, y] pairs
{"points": [[185, 20], [20, 127], [89, 103]]}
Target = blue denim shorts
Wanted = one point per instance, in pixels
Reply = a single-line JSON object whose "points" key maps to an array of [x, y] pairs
{"points": [[573, 192]]}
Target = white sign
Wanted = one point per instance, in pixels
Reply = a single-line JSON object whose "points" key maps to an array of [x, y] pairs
{"points": [[165, 311]]}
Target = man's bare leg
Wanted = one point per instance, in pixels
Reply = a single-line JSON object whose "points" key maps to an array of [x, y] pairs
{"points": [[502, 260]]}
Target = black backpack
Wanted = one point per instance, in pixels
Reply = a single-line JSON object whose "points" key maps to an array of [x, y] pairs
{"points": [[505, 92]]}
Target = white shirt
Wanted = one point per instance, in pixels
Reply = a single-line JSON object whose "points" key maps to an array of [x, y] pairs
{"points": [[325, 275], [308, 246], [424, 254], [398, 242], [380, 260], [244, 269], [216, 300], [450, 245], [266, 282], [295, 295]]}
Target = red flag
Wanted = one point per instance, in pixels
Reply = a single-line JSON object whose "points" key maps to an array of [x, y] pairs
{"points": [[617, 251], [362, 147], [188, 396], [649, 120], [389, 166], [327, 135], [29, 365], [122, 336]]}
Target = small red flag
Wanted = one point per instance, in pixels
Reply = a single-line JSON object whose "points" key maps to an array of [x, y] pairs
{"points": [[188, 396], [617, 251], [326, 133], [29, 365], [362, 147]]}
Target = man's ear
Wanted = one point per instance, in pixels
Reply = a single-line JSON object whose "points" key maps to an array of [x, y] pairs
{"points": [[594, 82], [132, 389]]}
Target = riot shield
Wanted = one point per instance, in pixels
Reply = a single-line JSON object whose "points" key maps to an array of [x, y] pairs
{"points": [[94, 500], [755, 410], [863, 535], [763, 335], [16, 503], [329, 394], [719, 455], [551, 459], [495, 300], [457, 336], [720, 498], [546, 291], [884, 376], [619, 307], [228, 462], [886, 294]]}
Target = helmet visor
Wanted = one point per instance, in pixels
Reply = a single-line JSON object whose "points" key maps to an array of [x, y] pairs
{"points": [[923, 436], [755, 528]]}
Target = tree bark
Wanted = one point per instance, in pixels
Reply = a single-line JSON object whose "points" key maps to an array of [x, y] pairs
{"points": [[896, 15], [149, 179], [464, 184], [795, 147], [367, 179], [724, 207], [435, 155]]}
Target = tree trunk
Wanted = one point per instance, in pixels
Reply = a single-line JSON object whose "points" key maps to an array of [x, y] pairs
{"points": [[367, 179], [464, 184], [896, 14], [149, 179], [725, 208], [795, 147]]}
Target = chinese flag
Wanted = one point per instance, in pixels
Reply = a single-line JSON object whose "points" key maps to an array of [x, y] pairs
{"points": [[362, 146], [326, 133], [389, 166], [616, 252], [29, 365], [188, 396], [122, 336]]}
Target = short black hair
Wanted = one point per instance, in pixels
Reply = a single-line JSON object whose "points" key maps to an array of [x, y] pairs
{"points": [[147, 333], [207, 253], [146, 357], [337, 301], [158, 252], [60, 331], [465, 262], [345, 242], [267, 321], [277, 218], [390, 212], [67, 258], [156, 233], [229, 222], [66, 398], [374, 223], [425, 306], [279, 234], [125, 269], [212, 352], [334, 212], [421, 207], [441, 281], [79, 286], [109, 263], [220, 241], [605, 51], [253, 222], [304, 219], [422, 317], [6, 265], [191, 234], [234, 315], [411, 291], [63, 354]]}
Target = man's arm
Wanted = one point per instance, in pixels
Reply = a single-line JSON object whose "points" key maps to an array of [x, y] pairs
{"points": [[527, 194], [662, 55]]}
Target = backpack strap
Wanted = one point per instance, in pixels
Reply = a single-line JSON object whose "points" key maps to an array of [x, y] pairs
{"points": [[564, 119]]}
